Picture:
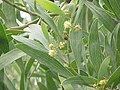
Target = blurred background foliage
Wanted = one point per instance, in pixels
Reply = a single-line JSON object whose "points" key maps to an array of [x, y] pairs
{"points": [[59, 44]]}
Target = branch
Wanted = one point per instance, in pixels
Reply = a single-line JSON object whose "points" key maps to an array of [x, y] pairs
{"points": [[20, 8], [26, 25]]}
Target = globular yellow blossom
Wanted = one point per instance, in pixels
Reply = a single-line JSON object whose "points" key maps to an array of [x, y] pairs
{"points": [[51, 45], [67, 24], [66, 11], [102, 82], [77, 27], [94, 85], [61, 45], [52, 53]]}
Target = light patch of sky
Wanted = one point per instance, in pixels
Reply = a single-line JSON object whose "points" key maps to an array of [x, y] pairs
{"points": [[1, 1], [24, 15]]}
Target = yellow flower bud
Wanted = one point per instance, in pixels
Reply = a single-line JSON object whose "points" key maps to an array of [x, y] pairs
{"points": [[67, 24], [102, 82], [66, 11], [61, 45], [52, 53], [94, 85], [51, 45], [77, 27]]}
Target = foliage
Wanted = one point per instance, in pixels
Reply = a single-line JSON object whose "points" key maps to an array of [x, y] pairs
{"points": [[60, 45]]}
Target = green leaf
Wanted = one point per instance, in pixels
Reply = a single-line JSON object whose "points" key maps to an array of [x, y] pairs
{"points": [[102, 16], [110, 52], [114, 78], [14, 32], [45, 59], [50, 6], [4, 45], [76, 45], [103, 68], [94, 46], [118, 39], [81, 3], [115, 32], [82, 17], [45, 31], [37, 34], [2, 84], [20, 64], [45, 16], [114, 6], [81, 80], [2, 15], [22, 81], [30, 43], [41, 86], [54, 75], [9, 14], [8, 83], [28, 66], [50, 82], [117, 43], [9, 57]]}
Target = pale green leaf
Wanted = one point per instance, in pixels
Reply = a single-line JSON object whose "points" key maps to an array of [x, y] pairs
{"points": [[94, 46], [50, 6], [81, 80], [114, 78], [76, 45], [103, 68], [9, 57], [45, 59], [102, 16]]}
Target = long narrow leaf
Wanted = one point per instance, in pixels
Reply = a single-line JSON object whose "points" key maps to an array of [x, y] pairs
{"points": [[103, 68], [30, 43], [8, 83], [81, 80], [81, 3], [76, 45], [45, 59], [4, 46], [50, 6], [94, 46], [9, 57], [9, 14], [102, 15], [50, 82], [41, 86], [114, 78]]}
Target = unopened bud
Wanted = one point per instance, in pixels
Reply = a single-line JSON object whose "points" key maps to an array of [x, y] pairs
{"points": [[77, 27], [67, 24], [52, 53]]}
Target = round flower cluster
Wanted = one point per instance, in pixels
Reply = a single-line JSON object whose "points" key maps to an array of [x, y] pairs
{"points": [[68, 25], [100, 84], [61, 45], [52, 52]]}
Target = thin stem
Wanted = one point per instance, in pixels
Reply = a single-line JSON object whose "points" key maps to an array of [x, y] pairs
{"points": [[86, 19], [20, 8], [26, 25]]}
